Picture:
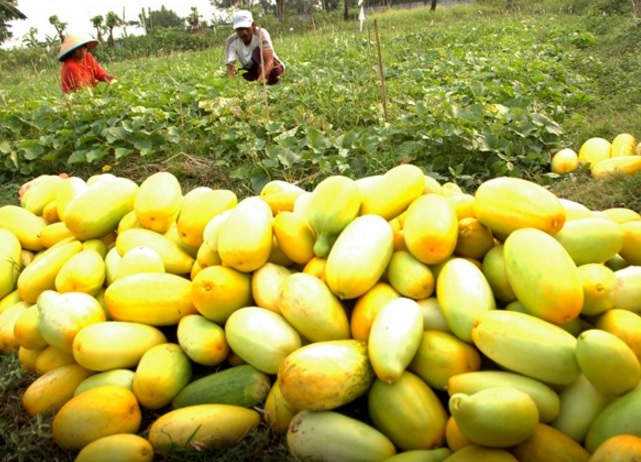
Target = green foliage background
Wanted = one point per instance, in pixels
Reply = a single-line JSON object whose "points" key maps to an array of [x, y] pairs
{"points": [[471, 92]]}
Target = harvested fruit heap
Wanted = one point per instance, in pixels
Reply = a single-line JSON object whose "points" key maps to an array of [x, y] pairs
{"points": [[503, 324], [601, 157]]}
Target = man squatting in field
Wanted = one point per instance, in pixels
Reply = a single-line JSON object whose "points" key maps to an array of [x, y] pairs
{"points": [[245, 45], [79, 68]]}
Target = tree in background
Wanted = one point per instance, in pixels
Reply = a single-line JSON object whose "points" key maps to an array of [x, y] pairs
{"points": [[193, 21], [8, 12], [111, 22], [59, 26], [98, 23], [161, 18]]}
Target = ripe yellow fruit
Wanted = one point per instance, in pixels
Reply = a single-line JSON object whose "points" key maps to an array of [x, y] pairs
{"points": [[218, 291], [564, 161], [474, 239], [599, 284], [623, 144], [594, 150], [158, 201]]}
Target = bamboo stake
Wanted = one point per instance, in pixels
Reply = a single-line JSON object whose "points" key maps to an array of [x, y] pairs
{"points": [[262, 68], [380, 70]]}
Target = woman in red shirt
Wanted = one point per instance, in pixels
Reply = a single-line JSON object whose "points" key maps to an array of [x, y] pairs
{"points": [[79, 68]]}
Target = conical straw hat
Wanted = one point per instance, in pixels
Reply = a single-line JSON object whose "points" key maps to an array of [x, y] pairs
{"points": [[75, 41]]}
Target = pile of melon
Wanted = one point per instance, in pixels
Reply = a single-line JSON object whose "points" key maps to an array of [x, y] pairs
{"points": [[501, 325], [620, 156]]}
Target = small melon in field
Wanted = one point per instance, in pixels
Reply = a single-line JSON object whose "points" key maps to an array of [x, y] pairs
{"points": [[594, 150], [564, 161], [624, 144]]}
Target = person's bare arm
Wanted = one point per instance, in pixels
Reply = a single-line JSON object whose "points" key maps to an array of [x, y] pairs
{"points": [[231, 69], [267, 65]]}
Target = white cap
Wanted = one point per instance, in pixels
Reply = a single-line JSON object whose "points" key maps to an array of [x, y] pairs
{"points": [[243, 19]]}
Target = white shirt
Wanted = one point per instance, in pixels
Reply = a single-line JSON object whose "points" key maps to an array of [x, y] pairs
{"points": [[236, 50]]}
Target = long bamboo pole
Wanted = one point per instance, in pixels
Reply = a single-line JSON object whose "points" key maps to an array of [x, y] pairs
{"points": [[380, 70]]}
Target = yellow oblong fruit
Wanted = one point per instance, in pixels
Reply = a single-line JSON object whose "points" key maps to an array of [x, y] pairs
{"points": [[40, 274], [393, 191], [261, 337], [498, 204], [409, 276], [628, 291], [242, 250], [216, 426], [101, 411], [394, 338], [158, 299], [84, 272], [581, 403], [546, 399], [328, 435], [120, 377], [198, 209], [498, 417], [139, 259], [265, 283], [217, 291], [594, 150], [311, 307], [624, 144], [625, 324], [430, 228], [548, 443], [607, 361], [49, 392], [163, 371], [114, 344], [278, 412], [328, 216], [158, 201], [591, 240], [54, 232], [622, 214], [25, 225], [295, 237], [599, 284], [325, 375], [86, 219], [626, 165], [359, 256], [621, 416], [51, 357], [631, 250], [202, 340], [543, 276], [564, 161], [493, 268], [175, 258], [10, 262], [440, 356], [474, 239], [618, 448], [408, 412], [367, 307], [27, 329], [527, 345], [121, 446], [463, 293]]}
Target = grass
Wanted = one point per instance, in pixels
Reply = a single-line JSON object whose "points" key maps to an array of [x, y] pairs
{"points": [[606, 56]]}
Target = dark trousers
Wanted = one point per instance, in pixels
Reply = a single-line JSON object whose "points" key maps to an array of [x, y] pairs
{"points": [[253, 70]]}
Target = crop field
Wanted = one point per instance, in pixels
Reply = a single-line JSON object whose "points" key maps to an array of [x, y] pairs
{"points": [[467, 93]]}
